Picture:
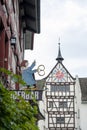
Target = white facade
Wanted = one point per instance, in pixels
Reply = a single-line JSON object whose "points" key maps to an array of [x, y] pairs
{"points": [[42, 107], [81, 108], [65, 101]]}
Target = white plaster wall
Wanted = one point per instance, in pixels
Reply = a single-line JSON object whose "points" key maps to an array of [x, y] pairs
{"points": [[77, 103], [41, 124], [81, 109], [83, 116], [42, 107]]}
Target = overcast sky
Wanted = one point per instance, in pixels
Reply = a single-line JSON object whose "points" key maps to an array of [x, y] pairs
{"points": [[66, 19]]}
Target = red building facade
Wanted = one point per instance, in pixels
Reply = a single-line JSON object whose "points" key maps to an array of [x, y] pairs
{"points": [[19, 20]]}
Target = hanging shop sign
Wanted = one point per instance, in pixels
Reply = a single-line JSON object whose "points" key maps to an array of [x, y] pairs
{"points": [[27, 95]]}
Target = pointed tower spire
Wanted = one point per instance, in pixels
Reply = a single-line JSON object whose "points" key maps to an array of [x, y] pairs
{"points": [[59, 58]]}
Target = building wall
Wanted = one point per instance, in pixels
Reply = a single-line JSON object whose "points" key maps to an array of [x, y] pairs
{"points": [[83, 116], [81, 108], [77, 103], [11, 56], [42, 106]]}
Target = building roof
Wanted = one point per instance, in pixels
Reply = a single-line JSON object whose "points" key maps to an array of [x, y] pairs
{"points": [[59, 58], [30, 18], [83, 85]]}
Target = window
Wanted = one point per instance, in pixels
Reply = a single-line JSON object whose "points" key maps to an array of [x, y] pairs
{"points": [[63, 104], [60, 120], [60, 88], [50, 104]]}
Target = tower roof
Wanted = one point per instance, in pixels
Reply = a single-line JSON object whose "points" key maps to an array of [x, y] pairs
{"points": [[59, 58]]}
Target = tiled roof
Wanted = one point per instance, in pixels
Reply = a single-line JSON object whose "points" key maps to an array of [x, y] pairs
{"points": [[83, 85]]}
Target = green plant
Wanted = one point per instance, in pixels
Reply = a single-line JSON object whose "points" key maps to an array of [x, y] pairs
{"points": [[16, 114]]}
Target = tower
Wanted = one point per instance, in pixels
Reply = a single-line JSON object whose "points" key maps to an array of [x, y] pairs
{"points": [[60, 97]]}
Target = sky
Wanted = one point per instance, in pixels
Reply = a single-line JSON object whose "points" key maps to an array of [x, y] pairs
{"points": [[67, 20]]}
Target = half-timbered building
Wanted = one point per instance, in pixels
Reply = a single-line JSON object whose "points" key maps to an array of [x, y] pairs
{"points": [[60, 97]]}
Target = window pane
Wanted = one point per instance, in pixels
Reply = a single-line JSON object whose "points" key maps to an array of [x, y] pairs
{"points": [[63, 104], [60, 120], [60, 88], [50, 104]]}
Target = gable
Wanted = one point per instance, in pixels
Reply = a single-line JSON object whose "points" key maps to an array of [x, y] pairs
{"points": [[59, 74]]}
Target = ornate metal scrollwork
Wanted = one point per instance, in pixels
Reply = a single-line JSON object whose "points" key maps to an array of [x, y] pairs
{"points": [[41, 70]]}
